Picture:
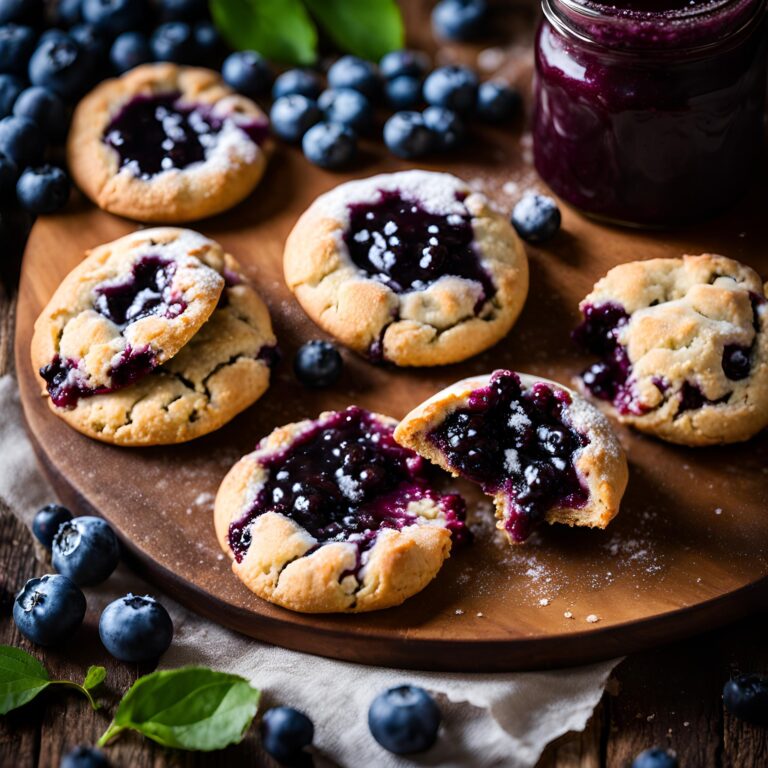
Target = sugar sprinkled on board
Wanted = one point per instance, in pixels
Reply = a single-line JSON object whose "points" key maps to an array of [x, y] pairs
{"points": [[568, 615], [544, 602], [592, 619]]}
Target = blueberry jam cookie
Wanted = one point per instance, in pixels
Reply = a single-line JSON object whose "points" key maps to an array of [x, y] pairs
{"points": [[412, 268], [167, 143], [155, 338], [683, 348], [541, 451], [333, 515]]}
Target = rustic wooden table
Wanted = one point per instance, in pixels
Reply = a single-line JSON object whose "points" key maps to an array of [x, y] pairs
{"points": [[669, 696]]}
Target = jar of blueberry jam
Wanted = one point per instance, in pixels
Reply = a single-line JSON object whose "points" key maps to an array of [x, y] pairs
{"points": [[649, 112]]}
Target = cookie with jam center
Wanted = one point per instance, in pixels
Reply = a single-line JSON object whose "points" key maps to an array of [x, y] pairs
{"points": [[682, 347], [165, 143], [332, 515], [411, 268], [537, 448], [154, 338]]}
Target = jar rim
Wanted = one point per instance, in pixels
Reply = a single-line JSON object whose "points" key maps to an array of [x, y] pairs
{"points": [[593, 22]]}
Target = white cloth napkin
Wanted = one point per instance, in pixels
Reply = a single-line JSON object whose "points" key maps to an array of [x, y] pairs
{"points": [[489, 719]]}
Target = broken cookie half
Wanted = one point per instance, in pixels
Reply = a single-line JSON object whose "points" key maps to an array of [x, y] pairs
{"points": [[537, 448]]}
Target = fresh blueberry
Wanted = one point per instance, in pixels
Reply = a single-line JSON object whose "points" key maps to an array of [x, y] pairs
{"points": [[84, 757], [453, 87], [656, 757], [403, 92], [182, 10], [285, 732], [398, 63], [248, 72], [52, 34], [404, 719], [21, 11], [44, 189], [497, 101], [16, 45], [43, 107], [111, 17], [536, 218], [49, 609], [135, 628], [355, 73], [317, 364], [209, 44], [92, 41], [61, 64], [173, 41], [21, 140], [10, 88], [9, 172], [67, 13], [406, 135], [746, 697], [292, 116], [129, 50], [447, 127], [86, 550], [302, 81], [47, 522], [347, 107], [329, 145], [459, 19]]}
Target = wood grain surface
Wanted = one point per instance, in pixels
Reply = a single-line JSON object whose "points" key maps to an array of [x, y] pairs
{"points": [[671, 564]]}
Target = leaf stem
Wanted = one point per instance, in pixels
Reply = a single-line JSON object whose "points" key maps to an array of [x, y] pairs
{"points": [[77, 687], [109, 734]]}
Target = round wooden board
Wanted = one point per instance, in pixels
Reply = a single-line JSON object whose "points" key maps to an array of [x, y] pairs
{"points": [[688, 551]]}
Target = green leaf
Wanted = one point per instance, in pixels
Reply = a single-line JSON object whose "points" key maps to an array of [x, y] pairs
{"points": [[94, 677], [366, 28], [278, 29], [187, 708], [22, 677]]}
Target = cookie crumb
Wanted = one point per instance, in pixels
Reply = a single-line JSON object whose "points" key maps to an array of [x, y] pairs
{"points": [[459, 612], [568, 615], [718, 511], [650, 718], [686, 724], [592, 618], [480, 614]]}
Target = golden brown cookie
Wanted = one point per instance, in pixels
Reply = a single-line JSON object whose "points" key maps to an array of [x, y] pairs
{"points": [[332, 515], [165, 143], [95, 373], [541, 451], [683, 348], [411, 268]]}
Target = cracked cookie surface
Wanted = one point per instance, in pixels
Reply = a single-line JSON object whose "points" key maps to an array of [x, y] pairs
{"points": [[165, 143], [412, 268], [332, 515], [683, 348], [221, 369], [537, 448]]}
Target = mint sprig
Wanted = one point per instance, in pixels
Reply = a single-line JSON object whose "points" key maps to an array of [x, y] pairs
{"points": [[285, 31], [189, 708], [23, 677]]}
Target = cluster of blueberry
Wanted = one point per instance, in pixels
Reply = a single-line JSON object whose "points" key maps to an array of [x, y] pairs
{"points": [[327, 122], [85, 551], [51, 53]]}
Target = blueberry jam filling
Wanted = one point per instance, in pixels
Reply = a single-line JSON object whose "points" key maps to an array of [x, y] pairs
{"points": [[148, 290], [66, 384], [346, 479], [158, 132], [518, 442], [269, 354], [610, 378], [692, 398], [397, 242]]}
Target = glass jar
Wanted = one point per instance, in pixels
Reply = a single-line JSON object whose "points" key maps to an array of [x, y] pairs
{"points": [[649, 112]]}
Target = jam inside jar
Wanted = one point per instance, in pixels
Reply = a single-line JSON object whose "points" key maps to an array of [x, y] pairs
{"points": [[649, 112]]}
